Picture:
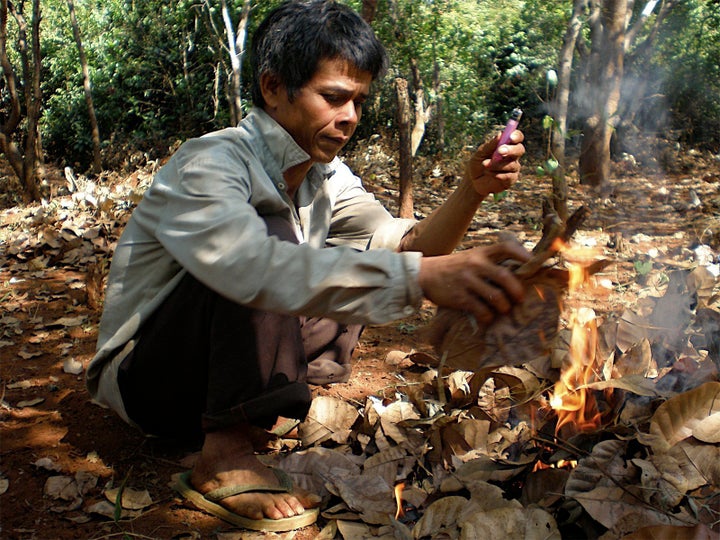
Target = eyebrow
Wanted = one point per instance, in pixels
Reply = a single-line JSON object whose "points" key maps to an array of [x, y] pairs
{"points": [[339, 89]]}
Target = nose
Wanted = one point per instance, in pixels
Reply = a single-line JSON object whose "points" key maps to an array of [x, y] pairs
{"points": [[350, 113]]}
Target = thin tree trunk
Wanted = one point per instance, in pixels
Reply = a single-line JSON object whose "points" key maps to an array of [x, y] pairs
{"points": [[594, 165], [560, 108], [9, 124], [439, 113], [94, 130], [406, 184], [234, 92], [422, 115], [33, 148], [25, 162]]}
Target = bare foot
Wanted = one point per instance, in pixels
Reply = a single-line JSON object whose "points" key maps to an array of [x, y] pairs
{"points": [[227, 458]]}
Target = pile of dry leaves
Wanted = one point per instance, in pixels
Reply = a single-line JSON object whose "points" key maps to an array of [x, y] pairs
{"points": [[479, 454], [482, 458]]}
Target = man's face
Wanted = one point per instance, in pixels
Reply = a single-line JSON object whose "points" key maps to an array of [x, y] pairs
{"points": [[325, 112]]}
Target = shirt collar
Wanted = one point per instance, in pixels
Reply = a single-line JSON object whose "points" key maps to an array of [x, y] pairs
{"points": [[282, 148]]}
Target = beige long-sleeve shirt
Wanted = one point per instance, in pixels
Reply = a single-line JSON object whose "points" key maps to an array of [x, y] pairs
{"points": [[203, 215]]}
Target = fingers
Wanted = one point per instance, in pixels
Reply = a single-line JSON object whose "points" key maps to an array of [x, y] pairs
{"points": [[494, 176]]}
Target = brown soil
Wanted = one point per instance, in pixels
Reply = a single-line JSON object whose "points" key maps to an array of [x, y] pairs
{"points": [[63, 425]]}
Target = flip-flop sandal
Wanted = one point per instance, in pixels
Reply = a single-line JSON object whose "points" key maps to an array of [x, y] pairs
{"points": [[208, 503]]}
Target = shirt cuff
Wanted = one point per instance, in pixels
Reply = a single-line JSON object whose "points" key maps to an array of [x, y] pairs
{"points": [[414, 294]]}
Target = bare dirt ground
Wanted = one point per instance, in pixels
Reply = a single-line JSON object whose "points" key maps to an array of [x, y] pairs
{"points": [[50, 311]]}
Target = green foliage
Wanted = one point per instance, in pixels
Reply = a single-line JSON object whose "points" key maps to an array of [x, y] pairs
{"points": [[689, 59], [159, 74]]}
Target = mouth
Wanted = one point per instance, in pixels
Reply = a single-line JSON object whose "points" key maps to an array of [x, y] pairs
{"points": [[337, 141]]}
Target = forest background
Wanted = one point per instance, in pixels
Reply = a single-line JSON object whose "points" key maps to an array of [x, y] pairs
{"points": [[103, 85], [621, 104]]}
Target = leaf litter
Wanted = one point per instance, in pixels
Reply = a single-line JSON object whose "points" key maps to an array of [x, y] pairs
{"points": [[466, 444]]}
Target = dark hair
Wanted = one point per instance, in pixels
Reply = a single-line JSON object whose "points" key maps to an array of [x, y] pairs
{"points": [[294, 37]]}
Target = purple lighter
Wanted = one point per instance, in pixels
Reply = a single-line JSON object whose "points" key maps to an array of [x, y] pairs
{"points": [[511, 126]]}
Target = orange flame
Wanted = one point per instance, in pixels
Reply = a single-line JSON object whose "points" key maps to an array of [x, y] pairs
{"points": [[398, 499], [574, 405]]}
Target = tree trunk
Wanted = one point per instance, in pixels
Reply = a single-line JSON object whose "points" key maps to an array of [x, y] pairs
{"points": [[25, 162], [405, 202], [94, 130], [439, 113], [560, 108], [604, 88], [233, 42], [422, 115], [632, 100], [236, 50], [9, 125]]}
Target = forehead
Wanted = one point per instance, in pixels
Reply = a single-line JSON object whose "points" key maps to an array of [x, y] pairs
{"points": [[341, 72]]}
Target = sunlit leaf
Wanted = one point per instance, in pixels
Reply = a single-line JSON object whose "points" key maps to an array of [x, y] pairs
{"points": [[677, 418], [328, 418]]}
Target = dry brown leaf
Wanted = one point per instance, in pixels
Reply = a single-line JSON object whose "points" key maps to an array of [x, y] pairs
{"points": [[391, 465], [637, 384], [69, 321], [482, 469], [474, 432], [485, 497], [669, 532], [392, 422], [708, 430], [676, 419], [522, 384], [107, 509], [328, 418], [544, 487], [370, 496], [354, 530], [604, 467], [621, 509], [308, 468], [637, 360], [132, 499], [657, 489], [61, 487], [521, 336], [631, 329], [441, 514], [394, 358], [29, 402], [510, 523], [704, 457]]}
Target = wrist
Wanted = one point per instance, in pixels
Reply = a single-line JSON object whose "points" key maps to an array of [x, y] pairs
{"points": [[475, 191]]}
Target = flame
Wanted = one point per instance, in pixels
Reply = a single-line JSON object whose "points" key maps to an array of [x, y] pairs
{"points": [[574, 405], [560, 464], [398, 500]]}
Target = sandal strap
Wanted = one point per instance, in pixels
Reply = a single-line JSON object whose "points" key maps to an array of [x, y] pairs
{"points": [[224, 492]]}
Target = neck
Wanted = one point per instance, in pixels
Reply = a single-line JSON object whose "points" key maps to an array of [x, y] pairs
{"points": [[295, 176]]}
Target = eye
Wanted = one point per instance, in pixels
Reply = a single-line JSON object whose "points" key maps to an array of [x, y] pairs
{"points": [[335, 99]]}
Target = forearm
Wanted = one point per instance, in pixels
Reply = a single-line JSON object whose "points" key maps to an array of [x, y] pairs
{"points": [[442, 231]]}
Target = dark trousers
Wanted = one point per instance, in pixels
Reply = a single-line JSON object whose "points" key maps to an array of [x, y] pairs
{"points": [[203, 362]]}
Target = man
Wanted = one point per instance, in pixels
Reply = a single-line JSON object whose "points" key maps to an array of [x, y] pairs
{"points": [[256, 250]]}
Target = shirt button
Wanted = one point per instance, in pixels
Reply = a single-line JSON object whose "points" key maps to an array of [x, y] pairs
{"points": [[408, 310], [282, 185]]}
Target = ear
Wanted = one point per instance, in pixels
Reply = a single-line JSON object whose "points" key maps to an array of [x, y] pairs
{"points": [[271, 88]]}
